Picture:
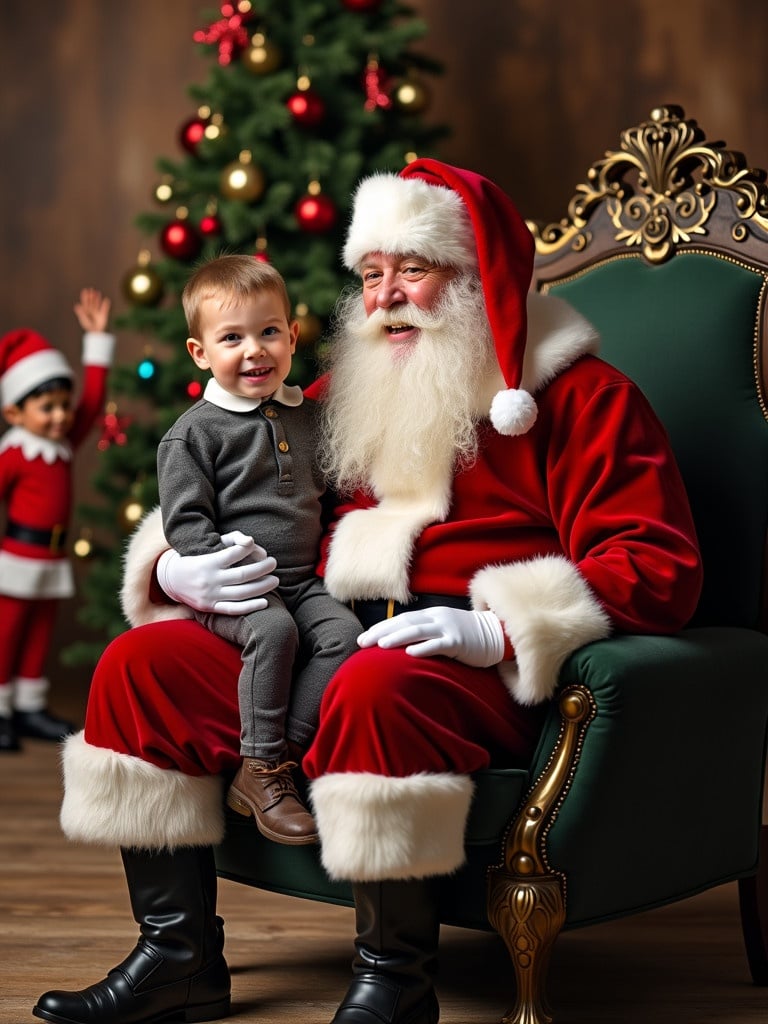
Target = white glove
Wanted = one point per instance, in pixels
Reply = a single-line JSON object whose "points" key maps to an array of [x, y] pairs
{"points": [[474, 638], [214, 583]]}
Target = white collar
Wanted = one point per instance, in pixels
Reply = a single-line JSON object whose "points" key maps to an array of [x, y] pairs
{"points": [[33, 445], [214, 393]]}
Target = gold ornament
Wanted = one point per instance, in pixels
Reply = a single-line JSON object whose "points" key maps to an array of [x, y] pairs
{"points": [[411, 95], [262, 57], [129, 513], [215, 129], [164, 190], [310, 326], [242, 179], [83, 548], [142, 285]]}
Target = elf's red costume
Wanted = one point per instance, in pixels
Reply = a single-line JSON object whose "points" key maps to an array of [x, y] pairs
{"points": [[36, 488], [571, 522]]}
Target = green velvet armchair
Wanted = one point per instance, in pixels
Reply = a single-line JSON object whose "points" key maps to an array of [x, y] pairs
{"points": [[647, 785]]}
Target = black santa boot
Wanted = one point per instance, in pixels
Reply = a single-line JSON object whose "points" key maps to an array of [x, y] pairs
{"points": [[396, 961], [177, 969]]}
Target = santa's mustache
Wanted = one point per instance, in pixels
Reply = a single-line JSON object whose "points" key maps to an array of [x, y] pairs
{"points": [[372, 327]]}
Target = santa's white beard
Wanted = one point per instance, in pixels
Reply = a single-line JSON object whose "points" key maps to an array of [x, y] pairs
{"points": [[398, 416]]}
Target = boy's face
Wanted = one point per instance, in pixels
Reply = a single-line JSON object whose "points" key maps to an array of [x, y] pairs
{"points": [[49, 415], [247, 346]]}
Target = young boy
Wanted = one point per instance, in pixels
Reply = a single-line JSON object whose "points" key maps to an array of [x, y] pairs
{"points": [[36, 487], [243, 459]]}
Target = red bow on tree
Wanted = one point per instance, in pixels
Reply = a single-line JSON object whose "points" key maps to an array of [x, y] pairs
{"points": [[228, 32]]}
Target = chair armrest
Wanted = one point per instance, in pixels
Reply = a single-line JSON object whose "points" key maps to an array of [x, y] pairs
{"points": [[665, 797]]}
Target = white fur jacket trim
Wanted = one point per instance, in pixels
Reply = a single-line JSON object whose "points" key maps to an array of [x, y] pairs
{"points": [[146, 545], [114, 799], [374, 827], [548, 611]]}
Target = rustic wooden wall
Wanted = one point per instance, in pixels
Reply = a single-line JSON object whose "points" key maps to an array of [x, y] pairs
{"points": [[535, 91]]}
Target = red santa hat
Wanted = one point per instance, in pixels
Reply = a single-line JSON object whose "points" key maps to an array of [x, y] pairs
{"points": [[26, 362], [460, 219]]}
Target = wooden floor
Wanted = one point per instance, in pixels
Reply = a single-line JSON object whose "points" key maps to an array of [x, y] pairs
{"points": [[64, 920]]}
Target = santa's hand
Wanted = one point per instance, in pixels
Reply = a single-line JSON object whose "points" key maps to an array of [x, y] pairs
{"points": [[474, 638], [214, 583]]}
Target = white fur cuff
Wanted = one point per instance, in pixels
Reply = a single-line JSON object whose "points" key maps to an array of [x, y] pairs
{"points": [[114, 799], [373, 827], [146, 544], [98, 348], [548, 611]]}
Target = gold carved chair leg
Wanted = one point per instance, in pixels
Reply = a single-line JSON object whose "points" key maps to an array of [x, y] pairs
{"points": [[526, 899], [528, 915], [753, 901]]}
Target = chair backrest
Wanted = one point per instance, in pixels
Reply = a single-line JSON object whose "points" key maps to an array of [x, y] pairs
{"points": [[665, 250]]}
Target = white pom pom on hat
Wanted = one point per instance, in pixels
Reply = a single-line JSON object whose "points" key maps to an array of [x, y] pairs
{"points": [[457, 218], [27, 360]]}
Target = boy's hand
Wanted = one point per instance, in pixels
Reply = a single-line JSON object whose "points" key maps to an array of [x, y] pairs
{"points": [[92, 311]]}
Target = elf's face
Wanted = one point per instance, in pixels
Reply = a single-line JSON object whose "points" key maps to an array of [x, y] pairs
{"points": [[49, 415]]}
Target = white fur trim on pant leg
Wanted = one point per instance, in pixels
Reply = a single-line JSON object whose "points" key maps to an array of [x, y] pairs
{"points": [[548, 611], [115, 799], [145, 546], [373, 827]]}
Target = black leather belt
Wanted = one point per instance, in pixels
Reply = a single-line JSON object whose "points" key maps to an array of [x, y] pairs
{"points": [[55, 539], [371, 612]]}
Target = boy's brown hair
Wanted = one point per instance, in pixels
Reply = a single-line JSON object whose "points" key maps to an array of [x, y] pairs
{"points": [[233, 277]]}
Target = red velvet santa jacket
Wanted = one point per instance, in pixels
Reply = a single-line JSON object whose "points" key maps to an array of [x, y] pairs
{"points": [[576, 528]]}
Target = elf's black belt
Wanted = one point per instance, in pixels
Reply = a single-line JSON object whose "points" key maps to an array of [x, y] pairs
{"points": [[55, 540], [371, 612]]}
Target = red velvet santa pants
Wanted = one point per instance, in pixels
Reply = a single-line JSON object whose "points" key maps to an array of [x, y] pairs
{"points": [[167, 693], [397, 742]]}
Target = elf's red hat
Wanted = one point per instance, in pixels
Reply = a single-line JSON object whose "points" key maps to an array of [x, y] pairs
{"points": [[458, 218], [26, 362]]}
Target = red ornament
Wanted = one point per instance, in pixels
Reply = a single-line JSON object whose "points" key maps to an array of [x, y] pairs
{"points": [[191, 133], [210, 225], [180, 240], [376, 85], [361, 5], [316, 214], [261, 257], [228, 32], [194, 390], [306, 107]]}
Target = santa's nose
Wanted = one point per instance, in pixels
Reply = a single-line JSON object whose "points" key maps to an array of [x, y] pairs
{"points": [[389, 293]]}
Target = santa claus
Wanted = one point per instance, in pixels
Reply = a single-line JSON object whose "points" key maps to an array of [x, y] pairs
{"points": [[504, 498]]}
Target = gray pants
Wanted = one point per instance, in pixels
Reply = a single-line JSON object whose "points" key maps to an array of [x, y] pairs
{"points": [[290, 651]]}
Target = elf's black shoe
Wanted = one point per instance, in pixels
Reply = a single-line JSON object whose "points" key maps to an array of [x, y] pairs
{"points": [[9, 738], [42, 725]]}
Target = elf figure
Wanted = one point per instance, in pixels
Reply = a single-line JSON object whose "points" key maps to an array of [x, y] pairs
{"points": [[36, 384]]}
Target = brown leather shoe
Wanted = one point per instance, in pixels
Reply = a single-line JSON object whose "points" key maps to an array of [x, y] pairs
{"points": [[266, 790]]}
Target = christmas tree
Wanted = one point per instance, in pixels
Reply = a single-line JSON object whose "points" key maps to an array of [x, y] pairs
{"points": [[302, 99]]}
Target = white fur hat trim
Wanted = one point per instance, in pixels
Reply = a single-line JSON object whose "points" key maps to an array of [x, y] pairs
{"points": [[408, 216]]}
